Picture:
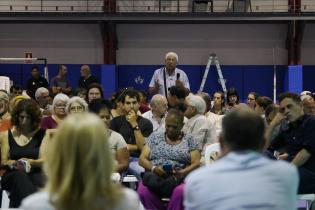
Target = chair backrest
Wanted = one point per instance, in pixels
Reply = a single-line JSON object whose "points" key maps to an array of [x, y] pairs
{"points": [[210, 149], [308, 198], [5, 83]]}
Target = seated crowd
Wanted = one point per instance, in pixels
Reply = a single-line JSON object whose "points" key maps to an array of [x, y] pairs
{"points": [[50, 142]]}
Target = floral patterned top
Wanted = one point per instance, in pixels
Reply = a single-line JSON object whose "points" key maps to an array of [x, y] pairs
{"points": [[177, 155]]}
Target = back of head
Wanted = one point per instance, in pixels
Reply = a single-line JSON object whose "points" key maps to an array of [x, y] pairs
{"points": [[197, 102], [306, 95], [263, 101], [243, 129], [207, 98], [40, 91], [178, 91], [79, 165], [98, 104], [178, 115], [158, 99], [271, 109]]}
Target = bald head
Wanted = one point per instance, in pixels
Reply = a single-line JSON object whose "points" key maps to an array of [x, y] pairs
{"points": [[243, 129], [85, 71]]}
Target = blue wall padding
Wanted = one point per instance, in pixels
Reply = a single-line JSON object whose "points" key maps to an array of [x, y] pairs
{"points": [[294, 79], [20, 73], [108, 79], [135, 76], [244, 78]]}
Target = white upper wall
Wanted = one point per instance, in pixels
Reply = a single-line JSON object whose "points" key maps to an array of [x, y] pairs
{"points": [[59, 43], [243, 44], [145, 44], [308, 45]]}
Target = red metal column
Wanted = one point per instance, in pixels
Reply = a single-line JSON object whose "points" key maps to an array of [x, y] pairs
{"points": [[295, 34], [109, 6], [109, 35]]}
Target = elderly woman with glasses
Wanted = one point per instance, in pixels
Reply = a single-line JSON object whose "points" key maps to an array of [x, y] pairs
{"points": [[76, 105], [59, 112], [22, 152]]}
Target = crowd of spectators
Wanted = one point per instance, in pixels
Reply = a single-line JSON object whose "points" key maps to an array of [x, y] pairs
{"points": [[51, 141]]}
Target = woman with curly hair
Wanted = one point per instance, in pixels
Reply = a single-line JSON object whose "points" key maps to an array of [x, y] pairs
{"points": [[22, 152]]}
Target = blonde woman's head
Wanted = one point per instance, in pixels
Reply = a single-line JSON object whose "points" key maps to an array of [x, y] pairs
{"points": [[79, 165]]}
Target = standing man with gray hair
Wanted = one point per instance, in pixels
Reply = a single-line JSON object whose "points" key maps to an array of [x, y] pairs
{"points": [[168, 76]]}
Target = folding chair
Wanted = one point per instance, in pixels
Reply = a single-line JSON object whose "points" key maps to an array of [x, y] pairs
{"points": [[309, 198]]}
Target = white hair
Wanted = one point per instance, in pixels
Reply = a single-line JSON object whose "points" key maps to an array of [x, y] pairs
{"points": [[171, 54], [40, 91], [76, 99], [60, 97], [197, 102], [157, 99]]}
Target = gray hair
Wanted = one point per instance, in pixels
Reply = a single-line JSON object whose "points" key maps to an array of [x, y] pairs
{"points": [[171, 54], [60, 97], [197, 102], [157, 99], [76, 99], [40, 91]]}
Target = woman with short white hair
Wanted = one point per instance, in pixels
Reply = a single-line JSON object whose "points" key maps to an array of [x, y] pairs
{"points": [[58, 114], [76, 105]]}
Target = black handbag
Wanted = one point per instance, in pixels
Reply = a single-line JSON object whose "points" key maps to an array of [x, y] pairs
{"points": [[161, 186]]}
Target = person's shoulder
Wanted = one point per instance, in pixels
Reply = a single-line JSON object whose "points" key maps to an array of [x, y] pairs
{"points": [[42, 78], [283, 167], [199, 175], [310, 119], [158, 71], [118, 119], [47, 119], [177, 70], [147, 114], [188, 137], [37, 201], [144, 120], [116, 136]]}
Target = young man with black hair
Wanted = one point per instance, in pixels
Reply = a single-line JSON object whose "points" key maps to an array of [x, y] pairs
{"points": [[133, 128]]}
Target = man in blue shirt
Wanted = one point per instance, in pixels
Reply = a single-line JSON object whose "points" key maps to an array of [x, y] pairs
{"points": [[242, 178]]}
